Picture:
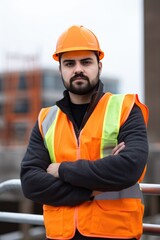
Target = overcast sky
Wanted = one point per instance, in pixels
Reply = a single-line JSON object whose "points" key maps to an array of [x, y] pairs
{"points": [[33, 26]]}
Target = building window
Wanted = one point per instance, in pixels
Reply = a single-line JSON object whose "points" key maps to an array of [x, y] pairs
{"points": [[21, 106]]}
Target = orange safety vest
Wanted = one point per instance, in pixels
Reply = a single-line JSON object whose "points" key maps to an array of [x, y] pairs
{"points": [[111, 214]]}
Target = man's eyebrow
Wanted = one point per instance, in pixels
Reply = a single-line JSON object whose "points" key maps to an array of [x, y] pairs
{"points": [[72, 60], [84, 59], [68, 60]]}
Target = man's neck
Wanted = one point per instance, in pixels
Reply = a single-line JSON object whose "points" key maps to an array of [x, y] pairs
{"points": [[80, 99]]}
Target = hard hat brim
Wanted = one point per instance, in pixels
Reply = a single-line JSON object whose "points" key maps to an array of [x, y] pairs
{"points": [[56, 54]]}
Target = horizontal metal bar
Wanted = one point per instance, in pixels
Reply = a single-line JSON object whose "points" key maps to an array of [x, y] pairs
{"points": [[150, 189], [21, 218], [9, 185], [151, 229], [13, 184]]}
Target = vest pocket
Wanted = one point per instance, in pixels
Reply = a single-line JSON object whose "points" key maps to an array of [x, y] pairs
{"points": [[114, 218], [101, 147], [59, 222], [53, 220]]}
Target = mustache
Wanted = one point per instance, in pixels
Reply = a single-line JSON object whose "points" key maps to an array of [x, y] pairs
{"points": [[79, 75]]}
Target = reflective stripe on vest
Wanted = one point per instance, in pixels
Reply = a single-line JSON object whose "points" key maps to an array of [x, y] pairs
{"points": [[48, 127], [131, 192], [111, 124]]}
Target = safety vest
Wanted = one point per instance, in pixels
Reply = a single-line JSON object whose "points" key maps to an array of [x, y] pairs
{"points": [[111, 214]]}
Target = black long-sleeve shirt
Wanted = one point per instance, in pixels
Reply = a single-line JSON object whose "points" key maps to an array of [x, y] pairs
{"points": [[78, 179]]}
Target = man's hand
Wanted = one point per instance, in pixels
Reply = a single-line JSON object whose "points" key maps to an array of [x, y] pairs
{"points": [[118, 148], [53, 169]]}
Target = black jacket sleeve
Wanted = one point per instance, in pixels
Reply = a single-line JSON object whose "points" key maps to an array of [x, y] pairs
{"points": [[113, 173], [42, 187]]}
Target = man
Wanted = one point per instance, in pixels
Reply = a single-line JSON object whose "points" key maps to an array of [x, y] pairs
{"points": [[88, 153]]}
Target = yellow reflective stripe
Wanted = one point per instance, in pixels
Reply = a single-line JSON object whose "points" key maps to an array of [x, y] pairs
{"points": [[49, 137], [111, 124]]}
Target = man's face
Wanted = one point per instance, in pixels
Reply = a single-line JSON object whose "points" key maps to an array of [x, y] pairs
{"points": [[80, 71]]}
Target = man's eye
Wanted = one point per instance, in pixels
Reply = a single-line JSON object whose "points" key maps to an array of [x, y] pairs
{"points": [[86, 62], [69, 64]]}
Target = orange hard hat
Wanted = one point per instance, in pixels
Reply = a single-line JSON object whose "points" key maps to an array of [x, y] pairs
{"points": [[77, 38]]}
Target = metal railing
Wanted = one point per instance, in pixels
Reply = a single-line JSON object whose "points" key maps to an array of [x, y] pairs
{"points": [[15, 184]]}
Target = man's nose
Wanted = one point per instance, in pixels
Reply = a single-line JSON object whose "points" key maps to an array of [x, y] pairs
{"points": [[78, 68]]}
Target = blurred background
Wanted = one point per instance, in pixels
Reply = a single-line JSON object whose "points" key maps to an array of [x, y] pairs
{"points": [[129, 34]]}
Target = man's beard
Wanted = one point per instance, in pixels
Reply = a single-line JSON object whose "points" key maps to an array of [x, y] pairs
{"points": [[81, 90]]}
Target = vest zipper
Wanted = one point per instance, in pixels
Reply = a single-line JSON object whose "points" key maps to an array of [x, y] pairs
{"points": [[77, 134]]}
